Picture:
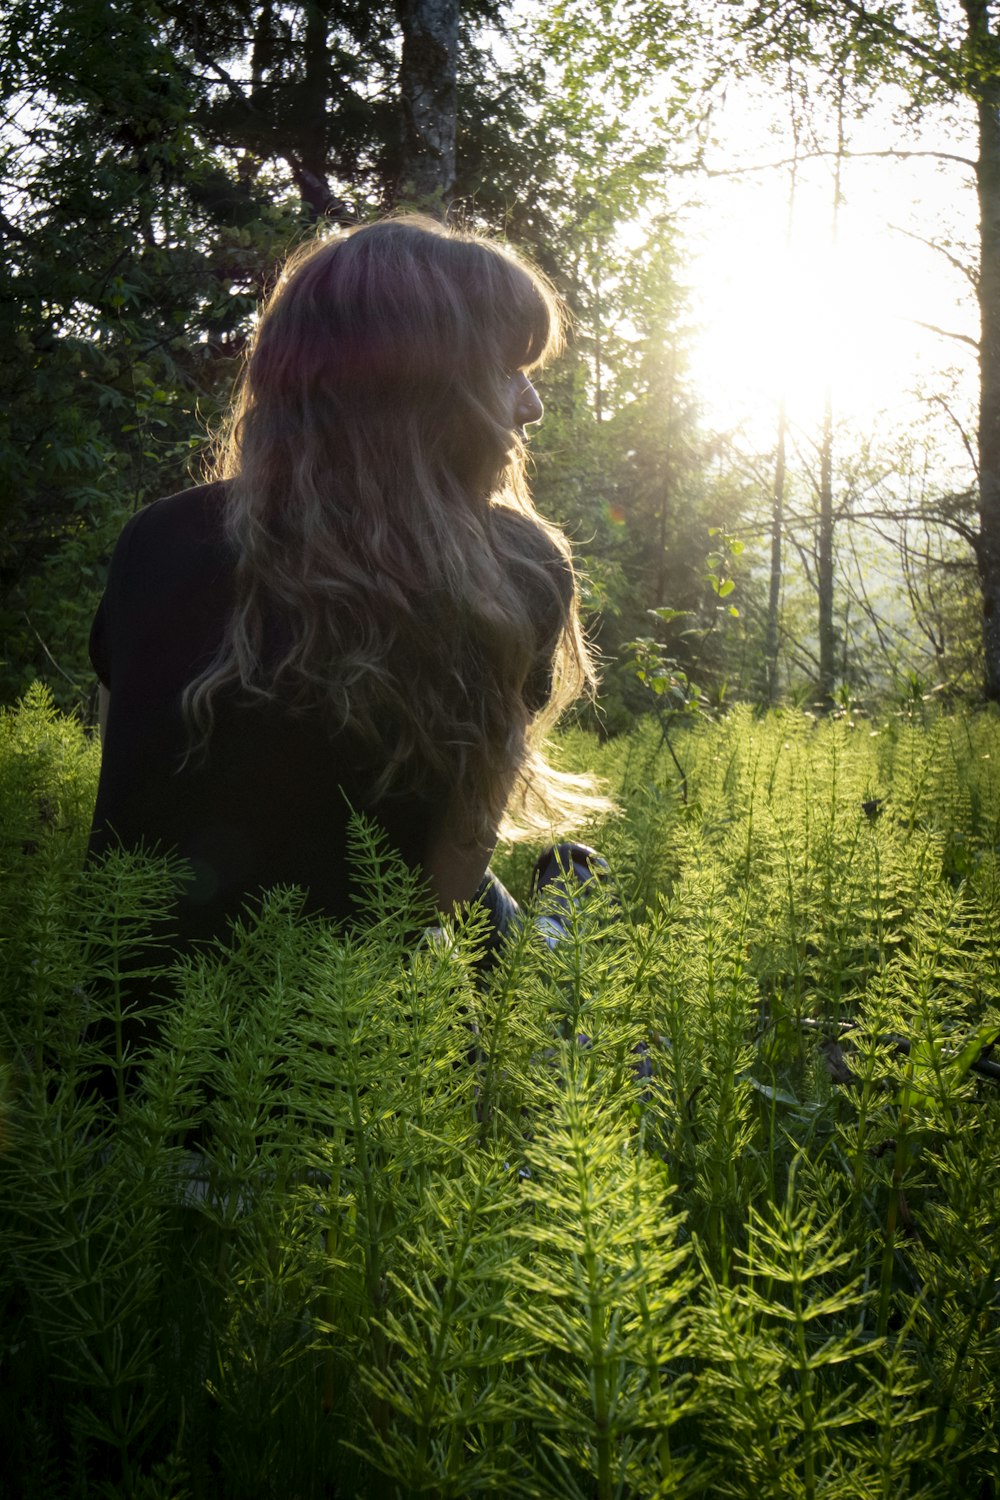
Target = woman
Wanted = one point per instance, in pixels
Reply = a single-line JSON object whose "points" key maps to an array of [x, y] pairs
{"points": [[362, 610]]}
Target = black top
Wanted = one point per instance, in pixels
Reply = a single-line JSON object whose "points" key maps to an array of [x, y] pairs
{"points": [[270, 802]]}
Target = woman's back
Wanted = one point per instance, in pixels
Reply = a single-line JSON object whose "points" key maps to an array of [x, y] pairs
{"points": [[267, 802]]}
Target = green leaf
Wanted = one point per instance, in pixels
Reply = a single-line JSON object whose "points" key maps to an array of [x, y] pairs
{"points": [[782, 1096], [668, 615], [984, 1037]]}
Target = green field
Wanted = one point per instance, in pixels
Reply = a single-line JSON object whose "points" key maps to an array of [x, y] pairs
{"points": [[703, 1203]]}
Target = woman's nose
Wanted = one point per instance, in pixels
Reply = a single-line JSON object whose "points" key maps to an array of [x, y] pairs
{"points": [[528, 406]]}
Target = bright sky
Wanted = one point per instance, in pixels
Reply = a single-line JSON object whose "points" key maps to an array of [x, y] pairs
{"points": [[783, 320]]}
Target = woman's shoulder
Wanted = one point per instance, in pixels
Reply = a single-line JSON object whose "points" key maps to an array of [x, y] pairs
{"points": [[198, 509], [165, 533], [171, 541]]}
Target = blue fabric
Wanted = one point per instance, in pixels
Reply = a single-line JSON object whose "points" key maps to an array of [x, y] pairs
{"points": [[503, 911]]}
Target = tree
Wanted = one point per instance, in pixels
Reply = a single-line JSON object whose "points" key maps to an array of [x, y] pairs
{"points": [[428, 92], [154, 167], [129, 273], [933, 51], [165, 159], [981, 55]]}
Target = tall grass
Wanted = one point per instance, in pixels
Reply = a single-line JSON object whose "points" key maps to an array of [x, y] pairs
{"points": [[704, 1202]]}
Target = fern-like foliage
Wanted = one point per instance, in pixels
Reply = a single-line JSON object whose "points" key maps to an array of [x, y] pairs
{"points": [[702, 1202]]}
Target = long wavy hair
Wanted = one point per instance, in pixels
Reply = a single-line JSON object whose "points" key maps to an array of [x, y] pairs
{"points": [[391, 570]]}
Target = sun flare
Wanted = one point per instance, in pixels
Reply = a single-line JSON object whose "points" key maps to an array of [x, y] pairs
{"points": [[791, 316]]}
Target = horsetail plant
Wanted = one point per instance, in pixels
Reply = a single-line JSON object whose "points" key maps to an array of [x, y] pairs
{"points": [[703, 1202]]}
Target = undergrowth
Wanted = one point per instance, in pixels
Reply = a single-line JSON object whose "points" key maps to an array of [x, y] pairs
{"points": [[704, 1202]]}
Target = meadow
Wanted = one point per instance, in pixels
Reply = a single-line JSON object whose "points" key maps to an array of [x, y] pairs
{"points": [[702, 1203]]}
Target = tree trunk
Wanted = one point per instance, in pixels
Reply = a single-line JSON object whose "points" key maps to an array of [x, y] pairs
{"points": [[983, 48], [310, 164], [824, 561], [824, 547], [772, 637], [666, 483], [428, 95], [598, 349], [315, 89], [262, 52]]}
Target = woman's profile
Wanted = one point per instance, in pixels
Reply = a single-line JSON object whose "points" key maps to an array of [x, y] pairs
{"points": [[362, 609]]}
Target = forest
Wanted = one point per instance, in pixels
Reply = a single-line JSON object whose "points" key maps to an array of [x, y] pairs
{"points": [[158, 164], [704, 1201]]}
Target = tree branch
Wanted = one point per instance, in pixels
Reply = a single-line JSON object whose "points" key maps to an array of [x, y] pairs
{"points": [[314, 190], [946, 333], [966, 440], [918, 51], [969, 272], [937, 517], [788, 161], [11, 230], [796, 647]]}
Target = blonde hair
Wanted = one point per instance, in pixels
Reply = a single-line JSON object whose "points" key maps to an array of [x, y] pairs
{"points": [[382, 526]]}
